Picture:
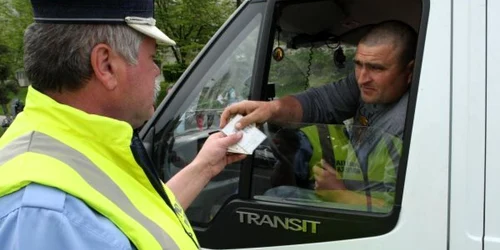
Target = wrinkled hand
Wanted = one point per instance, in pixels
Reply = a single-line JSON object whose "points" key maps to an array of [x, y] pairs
{"points": [[214, 154], [326, 177], [253, 112]]}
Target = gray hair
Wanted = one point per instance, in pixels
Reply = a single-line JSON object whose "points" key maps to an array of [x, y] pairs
{"points": [[57, 56], [400, 34]]}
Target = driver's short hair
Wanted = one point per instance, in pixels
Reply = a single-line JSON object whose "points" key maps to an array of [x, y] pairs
{"points": [[397, 33]]}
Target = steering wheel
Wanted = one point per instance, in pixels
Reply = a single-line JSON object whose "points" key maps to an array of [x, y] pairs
{"points": [[284, 145]]}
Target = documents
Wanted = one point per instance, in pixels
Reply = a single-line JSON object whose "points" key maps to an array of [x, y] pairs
{"points": [[252, 137]]}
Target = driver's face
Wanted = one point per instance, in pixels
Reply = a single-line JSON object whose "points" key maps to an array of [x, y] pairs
{"points": [[380, 77]]}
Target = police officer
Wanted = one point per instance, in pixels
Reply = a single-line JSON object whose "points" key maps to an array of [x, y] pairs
{"points": [[73, 174]]}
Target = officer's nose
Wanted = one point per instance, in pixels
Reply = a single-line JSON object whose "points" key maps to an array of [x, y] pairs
{"points": [[157, 70]]}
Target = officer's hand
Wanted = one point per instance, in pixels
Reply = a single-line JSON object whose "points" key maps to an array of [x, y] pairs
{"points": [[253, 112], [214, 154], [326, 177]]}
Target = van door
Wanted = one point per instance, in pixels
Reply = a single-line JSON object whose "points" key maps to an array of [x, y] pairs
{"points": [[468, 112], [234, 210], [492, 174]]}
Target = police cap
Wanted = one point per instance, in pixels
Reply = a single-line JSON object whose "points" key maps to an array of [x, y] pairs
{"points": [[138, 14]]}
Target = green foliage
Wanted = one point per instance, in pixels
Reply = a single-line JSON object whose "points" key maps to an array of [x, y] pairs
{"points": [[172, 72], [5, 68], [5, 109], [7, 88], [163, 92], [191, 23], [15, 16]]}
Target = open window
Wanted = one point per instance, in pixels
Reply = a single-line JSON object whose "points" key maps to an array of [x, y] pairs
{"points": [[311, 51], [221, 79], [269, 49]]}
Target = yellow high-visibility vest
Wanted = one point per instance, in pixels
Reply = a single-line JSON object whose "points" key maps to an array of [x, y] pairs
{"points": [[89, 157], [382, 161]]}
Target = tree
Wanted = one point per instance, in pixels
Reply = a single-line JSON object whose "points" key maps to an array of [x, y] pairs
{"points": [[191, 23], [15, 16]]}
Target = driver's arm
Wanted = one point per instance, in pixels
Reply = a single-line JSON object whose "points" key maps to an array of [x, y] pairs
{"points": [[330, 103]]}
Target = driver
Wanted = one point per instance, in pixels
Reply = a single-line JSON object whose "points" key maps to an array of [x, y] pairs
{"points": [[375, 96]]}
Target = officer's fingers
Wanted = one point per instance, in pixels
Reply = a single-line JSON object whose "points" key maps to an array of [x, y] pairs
{"points": [[226, 141], [235, 157]]}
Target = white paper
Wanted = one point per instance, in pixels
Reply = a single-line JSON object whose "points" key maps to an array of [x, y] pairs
{"points": [[252, 137]]}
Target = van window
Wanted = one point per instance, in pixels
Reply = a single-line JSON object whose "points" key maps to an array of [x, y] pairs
{"points": [[225, 82], [341, 166], [359, 160]]}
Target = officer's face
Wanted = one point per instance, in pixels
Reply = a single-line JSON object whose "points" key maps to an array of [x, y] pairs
{"points": [[380, 77], [140, 83]]}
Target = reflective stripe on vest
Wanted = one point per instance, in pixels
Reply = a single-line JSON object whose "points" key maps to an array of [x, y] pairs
{"points": [[92, 174]]}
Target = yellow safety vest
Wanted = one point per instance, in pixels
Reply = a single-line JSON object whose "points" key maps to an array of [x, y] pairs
{"points": [[89, 157], [382, 162]]}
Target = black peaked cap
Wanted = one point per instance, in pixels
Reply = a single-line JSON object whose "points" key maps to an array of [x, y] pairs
{"points": [[90, 11]]}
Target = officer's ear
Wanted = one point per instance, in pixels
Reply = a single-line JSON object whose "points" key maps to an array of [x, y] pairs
{"points": [[409, 70], [105, 66]]}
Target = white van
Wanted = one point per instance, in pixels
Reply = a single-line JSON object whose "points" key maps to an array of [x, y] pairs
{"points": [[448, 174]]}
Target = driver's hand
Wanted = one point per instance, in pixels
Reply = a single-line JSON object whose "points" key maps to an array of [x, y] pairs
{"points": [[326, 177], [252, 111], [214, 153]]}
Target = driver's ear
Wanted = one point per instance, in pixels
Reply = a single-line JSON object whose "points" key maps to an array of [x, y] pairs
{"points": [[409, 69]]}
